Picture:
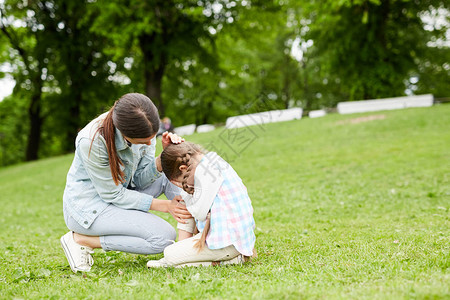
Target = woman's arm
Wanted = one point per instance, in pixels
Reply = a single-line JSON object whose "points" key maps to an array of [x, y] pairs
{"points": [[174, 207], [147, 171], [96, 163]]}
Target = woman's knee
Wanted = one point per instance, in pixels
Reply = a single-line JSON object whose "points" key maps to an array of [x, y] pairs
{"points": [[162, 240], [170, 233]]}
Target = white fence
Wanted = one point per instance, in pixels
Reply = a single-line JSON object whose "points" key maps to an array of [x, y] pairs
{"points": [[385, 104], [317, 113], [264, 118], [205, 128], [185, 130], [296, 113]]}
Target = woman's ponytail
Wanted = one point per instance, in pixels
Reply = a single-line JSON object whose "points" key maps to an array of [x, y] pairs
{"points": [[107, 130], [109, 133]]}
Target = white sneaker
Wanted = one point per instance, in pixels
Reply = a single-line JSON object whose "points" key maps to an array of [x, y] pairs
{"points": [[79, 256], [161, 263], [238, 260], [234, 261]]}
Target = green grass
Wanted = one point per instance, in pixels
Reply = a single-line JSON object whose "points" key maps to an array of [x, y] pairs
{"points": [[342, 210]]}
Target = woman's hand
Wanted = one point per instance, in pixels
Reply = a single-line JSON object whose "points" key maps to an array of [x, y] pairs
{"points": [[178, 210], [170, 138]]}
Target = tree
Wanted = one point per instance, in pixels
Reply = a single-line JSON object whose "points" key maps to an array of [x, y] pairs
{"points": [[156, 33], [81, 67], [371, 46], [59, 64], [256, 70], [30, 61], [432, 74]]}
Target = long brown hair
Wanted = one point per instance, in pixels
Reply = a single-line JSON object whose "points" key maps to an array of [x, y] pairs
{"points": [[174, 156], [135, 116]]}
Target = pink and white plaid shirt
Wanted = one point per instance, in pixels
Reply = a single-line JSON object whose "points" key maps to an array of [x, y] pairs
{"points": [[232, 220]]}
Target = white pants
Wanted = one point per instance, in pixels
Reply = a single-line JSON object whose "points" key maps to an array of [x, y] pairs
{"points": [[184, 252]]}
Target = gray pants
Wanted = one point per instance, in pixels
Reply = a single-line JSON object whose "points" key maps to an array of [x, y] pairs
{"points": [[130, 230]]}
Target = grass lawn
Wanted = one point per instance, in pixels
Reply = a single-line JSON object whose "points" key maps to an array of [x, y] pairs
{"points": [[346, 206]]}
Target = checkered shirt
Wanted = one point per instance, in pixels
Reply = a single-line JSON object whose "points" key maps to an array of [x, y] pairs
{"points": [[232, 220]]}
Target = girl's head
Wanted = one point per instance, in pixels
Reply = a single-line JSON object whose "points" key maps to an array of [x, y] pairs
{"points": [[179, 161], [137, 119]]}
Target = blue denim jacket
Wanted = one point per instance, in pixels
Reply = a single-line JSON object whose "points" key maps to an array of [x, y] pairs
{"points": [[90, 187]]}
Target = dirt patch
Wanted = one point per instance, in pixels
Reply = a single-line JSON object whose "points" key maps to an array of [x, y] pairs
{"points": [[362, 119]]}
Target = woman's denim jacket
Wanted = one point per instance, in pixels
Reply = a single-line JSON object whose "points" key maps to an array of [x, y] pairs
{"points": [[90, 187]]}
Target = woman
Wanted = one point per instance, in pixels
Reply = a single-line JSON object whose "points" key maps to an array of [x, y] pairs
{"points": [[113, 182]]}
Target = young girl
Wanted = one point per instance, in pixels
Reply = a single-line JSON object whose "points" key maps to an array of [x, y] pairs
{"points": [[219, 203]]}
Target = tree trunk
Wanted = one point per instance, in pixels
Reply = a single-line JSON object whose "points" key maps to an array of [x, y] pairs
{"points": [[308, 104], [207, 112], [285, 93], [154, 63], [73, 122], [153, 82], [34, 134]]}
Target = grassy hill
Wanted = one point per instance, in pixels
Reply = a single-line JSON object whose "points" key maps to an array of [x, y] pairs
{"points": [[354, 206]]}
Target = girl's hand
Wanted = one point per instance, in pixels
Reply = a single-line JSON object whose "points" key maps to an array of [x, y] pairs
{"points": [[170, 138], [178, 210]]}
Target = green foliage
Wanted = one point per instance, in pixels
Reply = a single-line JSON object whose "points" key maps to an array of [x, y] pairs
{"points": [[81, 69], [372, 46], [345, 208], [58, 68], [253, 65], [13, 138], [157, 33], [433, 73]]}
